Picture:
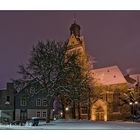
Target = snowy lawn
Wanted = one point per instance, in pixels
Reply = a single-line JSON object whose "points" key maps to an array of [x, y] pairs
{"points": [[78, 125]]}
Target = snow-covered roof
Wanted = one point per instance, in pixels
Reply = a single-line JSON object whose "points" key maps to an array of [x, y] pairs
{"points": [[129, 79], [108, 75], [136, 77]]}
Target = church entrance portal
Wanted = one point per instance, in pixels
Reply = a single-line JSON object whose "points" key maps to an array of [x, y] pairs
{"points": [[99, 111]]}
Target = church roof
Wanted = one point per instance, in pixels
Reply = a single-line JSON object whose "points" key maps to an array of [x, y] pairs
{"points": [[130, 79], [136, 77], [108, 75]]}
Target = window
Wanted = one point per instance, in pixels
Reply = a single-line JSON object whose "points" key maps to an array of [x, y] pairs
{"points": [[101, 96], [116, 101], [38, 102], [8, 98], [23, 101], [84, 110], [105, 96], [38, 114], [110, 97], [44, 102], [44, 114]]}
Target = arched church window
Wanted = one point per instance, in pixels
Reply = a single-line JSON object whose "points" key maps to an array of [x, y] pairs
{"points": [[116, 100]]}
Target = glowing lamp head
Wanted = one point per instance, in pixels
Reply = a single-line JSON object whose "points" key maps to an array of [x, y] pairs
{"points": [[66, 108], [130, 103], [136, 102]]}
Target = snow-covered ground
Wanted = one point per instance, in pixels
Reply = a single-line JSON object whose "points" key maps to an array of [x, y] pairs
{"points": [[78, 124]]}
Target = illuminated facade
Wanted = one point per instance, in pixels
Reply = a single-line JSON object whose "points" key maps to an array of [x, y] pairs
{"points": [[109, 81], [112, 84]]}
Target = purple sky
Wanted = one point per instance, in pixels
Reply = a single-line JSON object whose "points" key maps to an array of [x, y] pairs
{"points": [[112, 37]]}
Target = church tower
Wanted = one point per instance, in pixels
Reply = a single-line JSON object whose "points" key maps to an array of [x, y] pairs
{"points": [[76, 41], [76, 46], [75, 29]]}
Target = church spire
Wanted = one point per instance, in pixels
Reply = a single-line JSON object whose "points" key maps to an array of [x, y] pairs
{"points": [[74, 18]]}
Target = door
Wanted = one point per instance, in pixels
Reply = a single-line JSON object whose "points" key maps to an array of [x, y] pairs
{"points": [[23, 115], [99, 114]]}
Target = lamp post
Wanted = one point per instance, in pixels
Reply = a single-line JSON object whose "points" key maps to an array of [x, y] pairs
{"points": [[133, 109]]}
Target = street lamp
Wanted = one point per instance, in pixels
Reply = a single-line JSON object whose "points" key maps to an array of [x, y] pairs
{"points": [[136, 102], [133, 109], [61, 114], [66, 108]]}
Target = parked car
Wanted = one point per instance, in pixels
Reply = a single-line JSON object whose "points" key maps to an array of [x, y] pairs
{"points": [[18, 123]]}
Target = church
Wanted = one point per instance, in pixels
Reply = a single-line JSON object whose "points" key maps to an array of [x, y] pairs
{"points": [[110, 85]]}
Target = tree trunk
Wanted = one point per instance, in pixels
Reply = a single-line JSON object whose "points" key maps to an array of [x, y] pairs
{"points": [[79, 113], [64, 112], [48, 115], [73, 111], [89, 113], [89, 108]]}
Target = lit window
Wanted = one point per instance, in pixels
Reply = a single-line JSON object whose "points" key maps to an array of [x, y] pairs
{"points": [[38, 114], [44, 114], [44, 102], [23, 101], [38, 102]]}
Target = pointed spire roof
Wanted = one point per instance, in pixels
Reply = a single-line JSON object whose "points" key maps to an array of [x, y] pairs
{"points": [[75, 28]]}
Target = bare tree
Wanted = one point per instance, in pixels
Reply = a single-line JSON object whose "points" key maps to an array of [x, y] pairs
{"points": [[54, 72], [45, 71]]}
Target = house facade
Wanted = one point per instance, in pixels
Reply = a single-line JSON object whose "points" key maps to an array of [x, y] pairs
{"points": [[7, 103], [27, 106]]}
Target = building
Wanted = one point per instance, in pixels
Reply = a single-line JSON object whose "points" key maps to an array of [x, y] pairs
{"points": [[7, 103], [112, 84], [27, 106]]}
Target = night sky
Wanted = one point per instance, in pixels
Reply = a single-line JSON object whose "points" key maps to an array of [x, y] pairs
{"points": [[112, 37]]}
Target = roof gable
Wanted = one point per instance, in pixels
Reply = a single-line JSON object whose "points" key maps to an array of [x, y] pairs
{"points": [[136, 77]]}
